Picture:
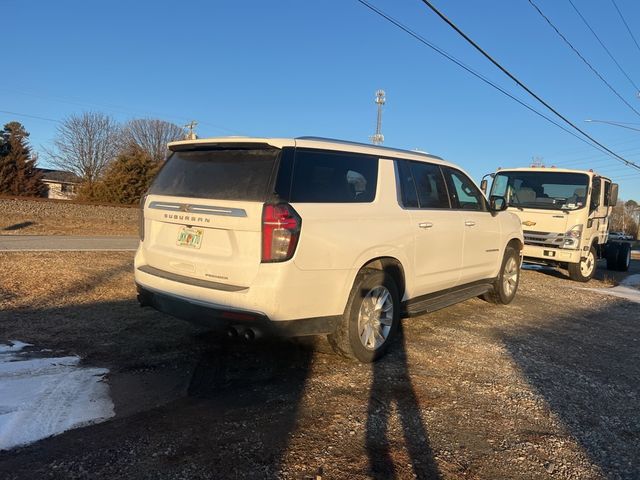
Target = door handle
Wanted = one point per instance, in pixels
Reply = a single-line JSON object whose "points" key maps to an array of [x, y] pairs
{"points": [[425, 225], [470, 223]]}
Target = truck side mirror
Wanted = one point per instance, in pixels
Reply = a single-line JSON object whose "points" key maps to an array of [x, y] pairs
{"points": [[497, 203], [613, 195], [483, 186]]}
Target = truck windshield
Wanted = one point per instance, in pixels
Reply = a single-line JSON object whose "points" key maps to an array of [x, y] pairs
{"points": [[542, 189]]}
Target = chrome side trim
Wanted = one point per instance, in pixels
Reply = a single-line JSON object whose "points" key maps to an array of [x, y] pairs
{"points": [[205, 209], [189, 280]]}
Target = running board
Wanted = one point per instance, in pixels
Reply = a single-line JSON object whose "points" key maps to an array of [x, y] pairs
{"points": [[439, 300]]}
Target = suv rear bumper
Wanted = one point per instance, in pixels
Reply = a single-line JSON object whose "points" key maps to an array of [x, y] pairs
{"points": [[223, 318]]}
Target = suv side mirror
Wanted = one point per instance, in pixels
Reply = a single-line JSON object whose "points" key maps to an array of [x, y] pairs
{"points": [[497, 203], [483, 186], [613, 196]]}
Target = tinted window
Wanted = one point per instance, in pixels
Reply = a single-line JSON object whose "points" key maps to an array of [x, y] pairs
{"points": [[464, 193], [409, 195], [429, 183], [595, 194], [333, 177], [607, 193], [238, 174]]}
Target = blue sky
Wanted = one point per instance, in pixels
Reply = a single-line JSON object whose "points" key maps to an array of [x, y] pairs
{"points": [[291, 68]]}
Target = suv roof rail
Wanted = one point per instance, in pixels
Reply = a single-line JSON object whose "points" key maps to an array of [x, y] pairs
{"points": [[360, 144]]}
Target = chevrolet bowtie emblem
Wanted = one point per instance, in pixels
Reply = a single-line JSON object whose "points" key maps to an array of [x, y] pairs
{"points": [[529, 223]]}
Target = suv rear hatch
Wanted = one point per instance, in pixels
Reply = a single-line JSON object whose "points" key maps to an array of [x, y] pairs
{"points": [[203, 213]]}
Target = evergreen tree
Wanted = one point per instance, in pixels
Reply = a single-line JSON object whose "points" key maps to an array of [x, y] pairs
{"points": [[127, 178], [18, 173]]}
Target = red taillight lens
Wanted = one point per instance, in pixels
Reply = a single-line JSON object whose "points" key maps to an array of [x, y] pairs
{"points": [[280, 232]]}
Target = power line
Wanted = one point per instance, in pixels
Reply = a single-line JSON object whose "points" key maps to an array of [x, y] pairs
{"points": [[575, 50], [30, 116], [451, 58], [523, 86], [595, 158], [113, 108], [603, 46], [625, 24]]}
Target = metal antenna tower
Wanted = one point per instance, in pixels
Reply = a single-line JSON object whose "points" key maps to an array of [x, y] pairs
{"points": [[190, 126], [537, 161], [378, 137]]}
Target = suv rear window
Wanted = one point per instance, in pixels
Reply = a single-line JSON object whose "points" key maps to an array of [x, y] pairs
{"points": [[232, 174], [333, 177]]}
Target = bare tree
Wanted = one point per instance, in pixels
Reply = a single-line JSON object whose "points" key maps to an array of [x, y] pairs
{"points": [[85, 144], [151, 136]]}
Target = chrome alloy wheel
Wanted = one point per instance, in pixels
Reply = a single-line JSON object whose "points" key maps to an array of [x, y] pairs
{"points": [[587, 265], [510, 276], [375, 317]]}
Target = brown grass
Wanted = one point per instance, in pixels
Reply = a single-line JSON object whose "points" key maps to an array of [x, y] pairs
{"points": [[28, 216]]}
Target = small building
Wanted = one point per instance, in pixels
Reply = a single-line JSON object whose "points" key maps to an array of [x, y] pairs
{"points": [[61, 185]]}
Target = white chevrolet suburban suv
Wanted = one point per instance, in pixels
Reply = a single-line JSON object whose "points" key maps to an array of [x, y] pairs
{"points": [[317, 236]]}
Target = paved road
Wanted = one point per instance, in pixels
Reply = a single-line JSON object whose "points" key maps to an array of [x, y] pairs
{"points": [[43, 243]]}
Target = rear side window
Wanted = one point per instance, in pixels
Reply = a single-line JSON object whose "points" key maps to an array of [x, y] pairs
{"points": [[333, 177], [235, 174], [422, 185]]}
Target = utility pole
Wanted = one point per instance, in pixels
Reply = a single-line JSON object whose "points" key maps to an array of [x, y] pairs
{"points": [[378, 137], [190, 126]]}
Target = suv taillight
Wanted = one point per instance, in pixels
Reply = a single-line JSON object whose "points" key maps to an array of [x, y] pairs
{"points": [[280, 232]]}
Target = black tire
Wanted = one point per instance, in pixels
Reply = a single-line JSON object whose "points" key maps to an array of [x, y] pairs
{"points": [[624, 257], [583, 271], [612, 256], [506, 284], [346, 340]]}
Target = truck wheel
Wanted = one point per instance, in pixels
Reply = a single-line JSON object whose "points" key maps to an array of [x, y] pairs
{"points": [[506, 285], [624, 257], [371, 318], [612, 256], [583, 271]]}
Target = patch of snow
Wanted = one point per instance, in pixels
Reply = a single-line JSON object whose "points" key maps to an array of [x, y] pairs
{"points": [[628, 289], [533, 266], [16, 346], [41, 397]]}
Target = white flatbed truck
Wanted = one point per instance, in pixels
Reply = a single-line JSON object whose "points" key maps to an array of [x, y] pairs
{"points": [[565, 217]]}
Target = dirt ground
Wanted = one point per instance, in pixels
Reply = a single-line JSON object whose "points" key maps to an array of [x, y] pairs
{"points": [[27, 216], [547, 387]]}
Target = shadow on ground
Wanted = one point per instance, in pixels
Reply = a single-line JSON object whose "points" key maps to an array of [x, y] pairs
{"points": [[392, 387], [586, 366], [18, 226], [232, 416]]}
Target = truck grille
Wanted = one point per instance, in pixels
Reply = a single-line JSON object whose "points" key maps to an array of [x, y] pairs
{"points": [[543, 239]]}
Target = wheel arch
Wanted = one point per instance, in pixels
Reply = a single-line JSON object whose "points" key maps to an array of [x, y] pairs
{"points": [[516, 243], [393, 267]]}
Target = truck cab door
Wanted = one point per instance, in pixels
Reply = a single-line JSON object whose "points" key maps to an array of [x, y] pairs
{"points": [[598, 223]]}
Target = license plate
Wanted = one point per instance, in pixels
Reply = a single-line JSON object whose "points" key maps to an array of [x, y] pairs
{"points": [[190, 237]]}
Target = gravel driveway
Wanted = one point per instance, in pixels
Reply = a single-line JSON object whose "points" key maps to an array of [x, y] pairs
{"points": [[546, 387]]}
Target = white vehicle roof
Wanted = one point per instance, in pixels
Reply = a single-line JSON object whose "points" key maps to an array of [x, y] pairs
{"points": [[320, 143], [591, 173]]}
